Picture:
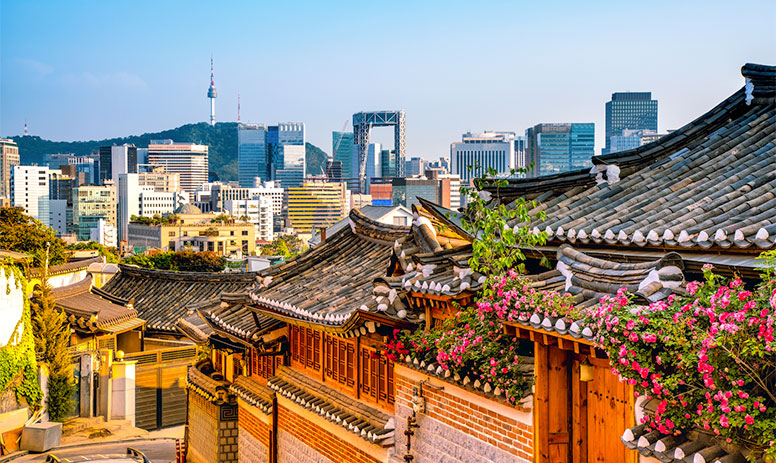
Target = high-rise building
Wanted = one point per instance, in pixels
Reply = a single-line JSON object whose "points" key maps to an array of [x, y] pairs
{"points": [[160, 180], [87, 167], [61, 185], [405, 191], [555, 148], [115, 160], [189, 160], [252, 153], [373, 167], [280, 136], [30, 190], [90, 204], [414, 166], [315, 205], [479, 152], [629, 111], [334, 171], [9, 157], [388, 163], [344, 150], [291, 167]]}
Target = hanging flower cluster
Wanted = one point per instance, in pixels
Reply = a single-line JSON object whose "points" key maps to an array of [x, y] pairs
{"points": [[473, 342], [707, 358]]}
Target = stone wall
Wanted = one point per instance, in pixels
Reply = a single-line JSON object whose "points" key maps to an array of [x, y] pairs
{"points": [[460, 425], [254, 435], [302, 438], [203, 430]]}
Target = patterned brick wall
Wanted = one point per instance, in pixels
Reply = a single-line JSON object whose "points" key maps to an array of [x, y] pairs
{"points": [[458, 427], [302, 441], [203, 430], [253, 439]]}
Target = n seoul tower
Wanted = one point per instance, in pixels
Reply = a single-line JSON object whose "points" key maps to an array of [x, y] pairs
{"points": [[211, 93]]}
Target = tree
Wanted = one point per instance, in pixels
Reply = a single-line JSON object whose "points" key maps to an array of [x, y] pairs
{"points": [[111, 254], [284, 245], [22, 233], [52, 343], [183, 261]]}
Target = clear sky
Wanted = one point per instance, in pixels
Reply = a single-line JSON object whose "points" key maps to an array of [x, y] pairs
{"points": [[77, 70]]}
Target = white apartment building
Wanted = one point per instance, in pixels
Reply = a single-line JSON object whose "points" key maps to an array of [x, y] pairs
{"points": [[481, 152], [104, 233], [151, 202], [30, 190], [257, 210], [141, 195]]}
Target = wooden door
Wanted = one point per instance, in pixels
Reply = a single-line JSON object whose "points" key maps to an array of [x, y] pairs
{"points": [[552, 415], [609, 412]]}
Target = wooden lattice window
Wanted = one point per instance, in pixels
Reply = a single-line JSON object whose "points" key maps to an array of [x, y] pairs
{"points": [[340, 362], [376, 377], [262, 366], [305, 347]]}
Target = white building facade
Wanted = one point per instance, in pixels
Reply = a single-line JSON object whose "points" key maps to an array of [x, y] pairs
{"points": [[258, 212], [481, 152], [30, 190]]}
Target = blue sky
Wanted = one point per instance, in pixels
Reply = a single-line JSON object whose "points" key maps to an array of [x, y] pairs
{"points": [[94, 69]]}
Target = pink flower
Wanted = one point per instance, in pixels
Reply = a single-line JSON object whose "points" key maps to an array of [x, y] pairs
{"points": [[749, 419]]}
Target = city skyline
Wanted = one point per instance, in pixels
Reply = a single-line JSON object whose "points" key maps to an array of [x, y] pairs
{"points": [[65, 88]]}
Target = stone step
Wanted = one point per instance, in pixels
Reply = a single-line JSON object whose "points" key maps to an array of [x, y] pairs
{"points": [[75, 425]]}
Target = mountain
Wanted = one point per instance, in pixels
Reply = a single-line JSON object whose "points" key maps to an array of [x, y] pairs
{"points": [[220, 139]]}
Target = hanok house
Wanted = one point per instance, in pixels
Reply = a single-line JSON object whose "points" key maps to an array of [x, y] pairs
{"points": [[161, 298], [643, 219], [316, 387]]}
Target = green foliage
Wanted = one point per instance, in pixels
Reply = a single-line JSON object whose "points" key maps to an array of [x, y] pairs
{"points": [[221, 141], [111, 254], [222, 218], [180, 261], [52, 343], [22, 233], [155, 220], [284, 245], [315, 160], [18, 367], [498, 247]]}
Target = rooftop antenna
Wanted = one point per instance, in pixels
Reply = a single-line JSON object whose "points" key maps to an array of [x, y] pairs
{"points": [[26, 133], [238, 107]]}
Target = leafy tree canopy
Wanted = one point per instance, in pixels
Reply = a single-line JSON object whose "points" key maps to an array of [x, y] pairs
{"points": [[182, 261], [284, 245], [22, 233], [111, 253]]}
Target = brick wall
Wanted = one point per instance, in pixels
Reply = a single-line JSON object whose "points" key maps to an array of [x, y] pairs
{"points": [[460, 426], [203, 430], [302, 441], [253, 439]]}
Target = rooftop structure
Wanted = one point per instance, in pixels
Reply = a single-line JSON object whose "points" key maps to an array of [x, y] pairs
{"points": [[211, 94]]}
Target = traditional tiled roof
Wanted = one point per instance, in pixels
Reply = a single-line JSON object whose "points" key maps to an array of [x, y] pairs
{"points": [[251, 391], [331, 284], [370, 423], [692, 446], [69, 267], [90, 309], [231, 316], [710, 184], [199, 380], [162, 297]]}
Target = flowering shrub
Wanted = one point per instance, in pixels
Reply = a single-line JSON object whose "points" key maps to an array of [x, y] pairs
{"points": [[470, 344], [707, 357]]}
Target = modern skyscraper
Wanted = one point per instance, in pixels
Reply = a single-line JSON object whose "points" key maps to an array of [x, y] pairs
{"points": [[629, 111], [278, 136], [61, 185], [388, 163], [30, 190], [9, 157], [477, 153], [555, 148], [252, 153], [187, 159], [291, 167], [115, 160], [345, 151], [414, 166], [211, 94], [373, 168], [316, 205]]}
